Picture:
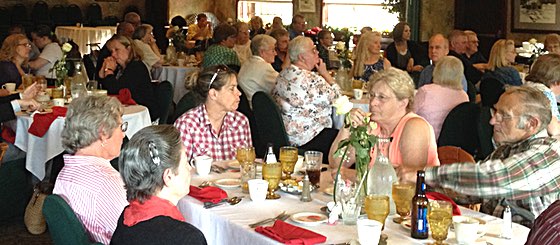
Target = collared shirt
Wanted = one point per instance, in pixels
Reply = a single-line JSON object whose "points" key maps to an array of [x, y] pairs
{"points": [[256, 75], [427, 74], [220, 55], [200, 139], [522, 175], [546, 229], [305, 100], [193, 30], [243, 52], [96, 193]]}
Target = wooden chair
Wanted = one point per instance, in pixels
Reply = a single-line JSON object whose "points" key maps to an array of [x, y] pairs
{"points": [[451, 155], [3, 149]]}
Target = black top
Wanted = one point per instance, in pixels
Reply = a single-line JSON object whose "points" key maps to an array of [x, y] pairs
{"points": [[6, 110], [158, 230], [419, 54], [476, 58], [137, 79], [472, 74]]}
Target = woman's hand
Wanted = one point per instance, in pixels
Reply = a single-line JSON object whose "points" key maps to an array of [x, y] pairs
{"points": [[30, 92], [322, 68], [108, 68], [357, 116], [30, 104], [4, 92]]}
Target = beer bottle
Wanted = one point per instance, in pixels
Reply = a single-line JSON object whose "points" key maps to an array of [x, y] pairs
{"points": [[270, 157], [419, 217]]}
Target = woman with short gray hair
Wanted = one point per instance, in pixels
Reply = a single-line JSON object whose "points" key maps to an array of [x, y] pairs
{"points": [[156, 174], [257, 73], [145, 41], [434, 101], [305, 97], [93, 134]]}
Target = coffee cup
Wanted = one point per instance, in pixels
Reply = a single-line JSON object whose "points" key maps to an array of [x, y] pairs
{"points": [[181, 62], [358, 93], [203, 165], [257, 189], [11, 87], [467, 229], [58, 102]]}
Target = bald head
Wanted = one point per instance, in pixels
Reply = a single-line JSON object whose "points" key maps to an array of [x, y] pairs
{"points": [[133, 18], [438, 47]]}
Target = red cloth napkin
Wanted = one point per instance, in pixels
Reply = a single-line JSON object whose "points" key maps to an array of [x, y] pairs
{"points": [[208, 194], [439, 196], [290, 234], [42, 122], [8, 135], [125, 97]]}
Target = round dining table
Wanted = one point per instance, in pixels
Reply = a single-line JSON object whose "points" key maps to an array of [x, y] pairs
{"points": [[86, 35], [176, 76], [39, 150]]}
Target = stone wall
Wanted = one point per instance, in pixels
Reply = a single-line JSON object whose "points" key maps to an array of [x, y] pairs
{"points": [[107, 8], [436, 16]]}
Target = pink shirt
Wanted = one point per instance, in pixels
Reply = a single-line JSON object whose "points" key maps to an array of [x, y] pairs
{"points": [[96, 193], [395, 156], [433, 102], [200, 139]]}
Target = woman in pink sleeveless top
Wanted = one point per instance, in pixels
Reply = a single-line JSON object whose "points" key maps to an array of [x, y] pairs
{"points": [[413, 145]]}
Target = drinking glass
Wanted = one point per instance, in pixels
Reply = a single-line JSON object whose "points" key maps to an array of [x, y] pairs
{"points": [[350, 202], [402, 196], [246, 158], [272, 172], [91, 85], [288, 158], [440, 216], [313, 160], [377, 208], [27, 80]]}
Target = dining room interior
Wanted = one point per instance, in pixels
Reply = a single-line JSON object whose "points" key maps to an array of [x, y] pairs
{"points": [[238, 106]]}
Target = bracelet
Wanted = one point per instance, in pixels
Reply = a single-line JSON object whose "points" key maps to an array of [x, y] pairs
{"points": [[109, 69]]}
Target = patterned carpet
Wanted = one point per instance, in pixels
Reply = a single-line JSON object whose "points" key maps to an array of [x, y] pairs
{"points": [[14, 232]]}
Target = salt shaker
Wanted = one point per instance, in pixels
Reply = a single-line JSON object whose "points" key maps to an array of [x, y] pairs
{"points": [[507, 230], [306, 191]]}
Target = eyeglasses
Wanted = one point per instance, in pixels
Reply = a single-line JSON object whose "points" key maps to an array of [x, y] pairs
{"points": [[499, 117], [380, 97], [222, 68], [124, 126], [27, 45]]}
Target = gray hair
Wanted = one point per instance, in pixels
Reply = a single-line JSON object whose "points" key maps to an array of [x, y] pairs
{"points": [[448, 72], [297, 47], [533, 103], [147, 155], [398, 81], [87, 118], [141, 31], [262, 42]]}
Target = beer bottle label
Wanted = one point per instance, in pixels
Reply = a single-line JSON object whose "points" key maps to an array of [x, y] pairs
{"points": [[422, 220]]}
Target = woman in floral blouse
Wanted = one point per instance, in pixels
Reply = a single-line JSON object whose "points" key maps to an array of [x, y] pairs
{"points": [[305, 97]]}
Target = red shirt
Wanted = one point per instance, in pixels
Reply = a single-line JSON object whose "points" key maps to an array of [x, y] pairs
{"points": [[546, 229], [200, 139]]}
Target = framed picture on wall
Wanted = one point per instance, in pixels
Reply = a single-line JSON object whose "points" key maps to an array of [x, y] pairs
{"points": [[535, 15], [106, 0], [307, 6]]}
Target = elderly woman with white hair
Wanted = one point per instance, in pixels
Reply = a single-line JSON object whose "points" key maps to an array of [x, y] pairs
{"points": [[413, 144], [257, 73], [305, 98], [156, 174], [146, 42], [93, 134], [434, 101]]}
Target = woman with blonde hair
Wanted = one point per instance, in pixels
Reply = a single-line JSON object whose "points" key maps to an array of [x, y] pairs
{"points": [[552, 43], [434, 101], [13, 55], [499, 67], [367, 57], [256, 24], [124, 69]]}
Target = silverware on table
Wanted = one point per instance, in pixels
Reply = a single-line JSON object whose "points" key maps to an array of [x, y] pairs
{"points": [[282, 216], [231, 201]]}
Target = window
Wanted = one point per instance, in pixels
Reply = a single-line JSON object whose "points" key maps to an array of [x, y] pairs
{"points": [[266, 9], [357, 14]]}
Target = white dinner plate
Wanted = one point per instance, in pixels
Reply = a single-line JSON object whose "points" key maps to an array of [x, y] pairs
{"points": [[228, 183], [309, 218]]}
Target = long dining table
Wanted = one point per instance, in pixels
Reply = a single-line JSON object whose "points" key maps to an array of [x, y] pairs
{"points": [[39, 150], [227, 224]]}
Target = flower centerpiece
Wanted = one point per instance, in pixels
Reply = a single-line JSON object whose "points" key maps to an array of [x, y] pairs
{"points": [[177, 37], [60, 67], [360, 141], [343, 55]]}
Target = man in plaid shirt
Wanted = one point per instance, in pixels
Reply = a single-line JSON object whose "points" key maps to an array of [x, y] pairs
{"points": [[523, 172]]}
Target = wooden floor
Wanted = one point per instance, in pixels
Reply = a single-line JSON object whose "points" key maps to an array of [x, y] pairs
{"points": [[14, 232]]}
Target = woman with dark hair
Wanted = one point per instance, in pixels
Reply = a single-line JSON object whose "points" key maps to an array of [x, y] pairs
{"points": [[124, 69], [214, 127], [13, 55], [156, 175], [46, 41], [221, 52], [403, 53], [257, 26]]}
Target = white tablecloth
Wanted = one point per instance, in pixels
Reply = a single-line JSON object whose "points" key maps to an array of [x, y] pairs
{"points": [[229, 224], [176, 75], [41, 149], [86, 35], [338, 120]]}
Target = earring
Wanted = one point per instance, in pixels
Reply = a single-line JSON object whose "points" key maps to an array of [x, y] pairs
{"points": [[103, 144]]}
